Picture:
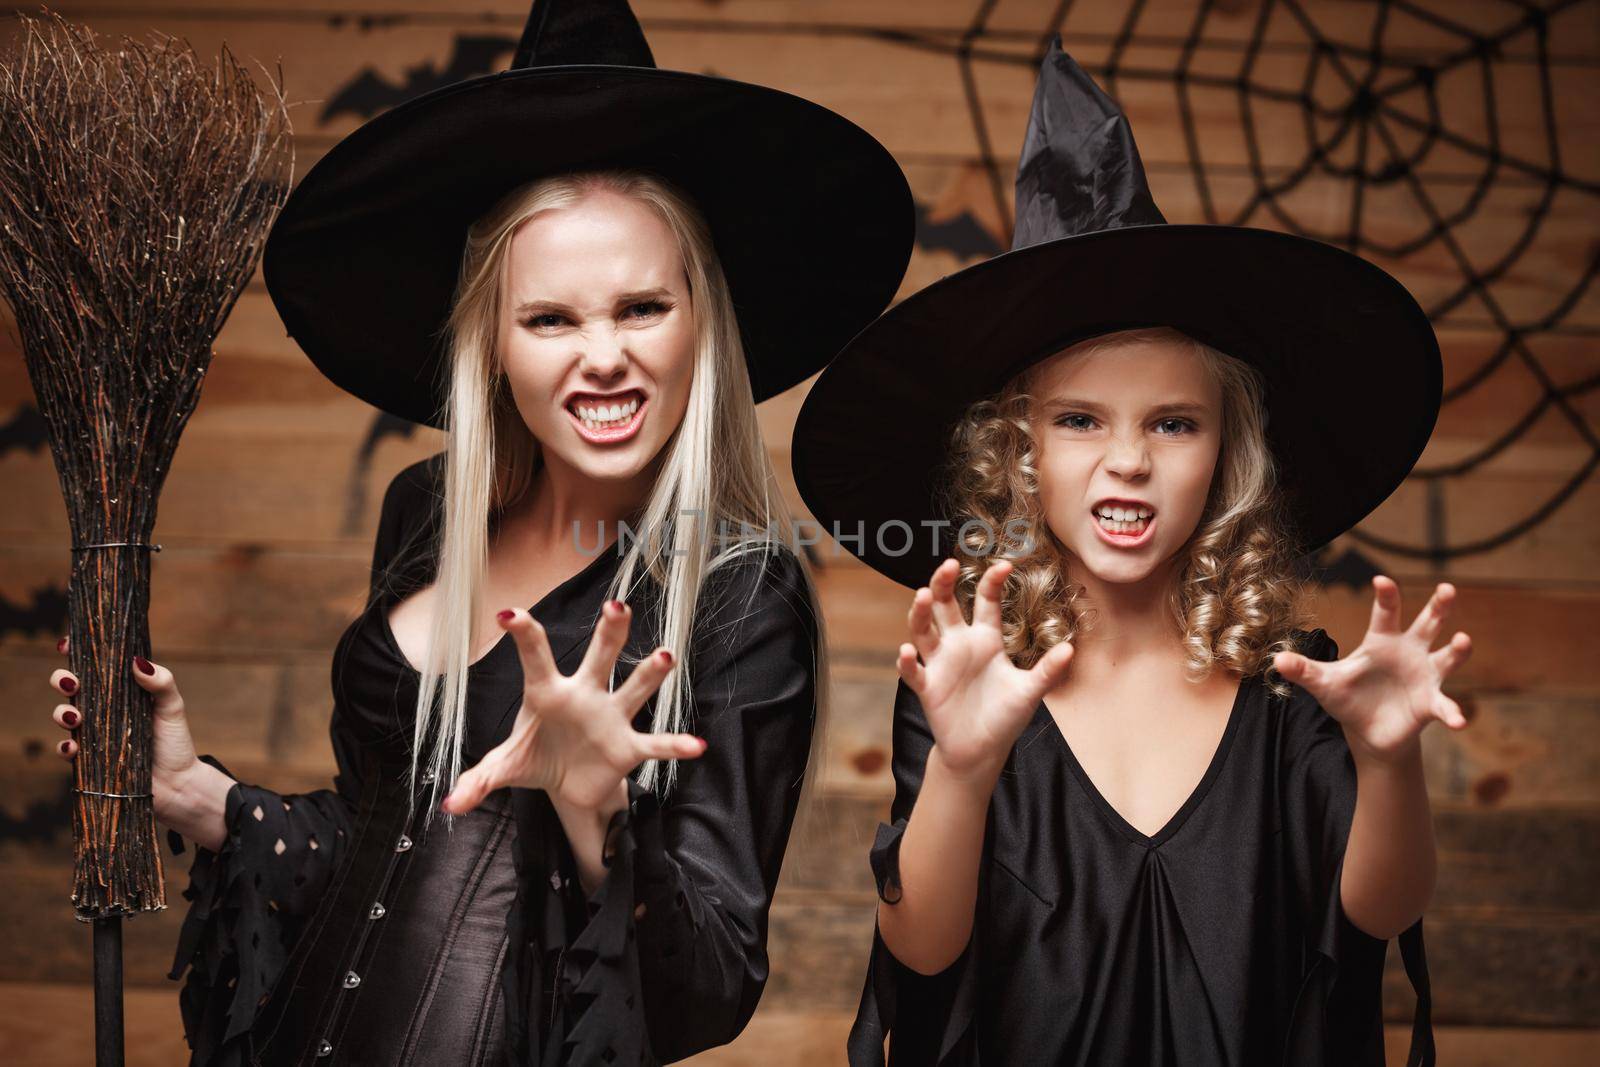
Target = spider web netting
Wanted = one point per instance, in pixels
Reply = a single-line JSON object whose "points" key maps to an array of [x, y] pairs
{"points": [[1446, 140]]}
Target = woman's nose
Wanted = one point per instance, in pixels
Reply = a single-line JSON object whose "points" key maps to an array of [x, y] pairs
{"points": [[604, 357]]}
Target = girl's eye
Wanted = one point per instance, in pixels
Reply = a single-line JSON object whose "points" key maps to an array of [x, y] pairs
{"points": [[1071, 421], [549, 319], [645, 308], [1183, 425]]}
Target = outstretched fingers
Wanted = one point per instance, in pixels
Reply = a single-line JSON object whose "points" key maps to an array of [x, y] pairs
{"points": [[1426, 625], [668, 746], [986, 606], [1385, 606], [1449, 712], [943, 587], [1051, 668], [1452, 655], [533, 646], [472, 786], [915, 675], [645, 679], [609, 636], [919, 623], [1309, 674]]}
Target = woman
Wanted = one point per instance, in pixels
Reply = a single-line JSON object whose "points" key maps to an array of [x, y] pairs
{"points": [[603, 461], [1141, 816]]}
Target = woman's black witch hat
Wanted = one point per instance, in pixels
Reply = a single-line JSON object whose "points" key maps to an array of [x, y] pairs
{"points": [[1350, 361], [811, 217]]}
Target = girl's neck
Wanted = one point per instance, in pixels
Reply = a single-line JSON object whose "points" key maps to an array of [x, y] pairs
{"points": [[1132, 624]]}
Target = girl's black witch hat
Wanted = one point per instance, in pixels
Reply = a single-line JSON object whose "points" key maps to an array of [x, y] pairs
{"points": [[1350, 361], [811, 217]]}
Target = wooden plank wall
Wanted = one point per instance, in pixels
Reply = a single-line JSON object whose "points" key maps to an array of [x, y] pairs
{"points": [[268, 514]]}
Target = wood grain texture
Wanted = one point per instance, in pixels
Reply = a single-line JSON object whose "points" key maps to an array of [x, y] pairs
{"points": [[268, 514]]}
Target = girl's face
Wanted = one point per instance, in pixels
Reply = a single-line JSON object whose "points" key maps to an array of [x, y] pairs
{"points": [[597, 339], [1128, 440]]}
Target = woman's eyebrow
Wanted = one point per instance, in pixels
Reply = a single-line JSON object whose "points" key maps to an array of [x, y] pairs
{"points": [[542, 307], [635, 297], [641, 295]]}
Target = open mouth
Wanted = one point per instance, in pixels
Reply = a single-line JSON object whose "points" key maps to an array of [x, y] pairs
{"points": [[608, 417], [1123, 523]]}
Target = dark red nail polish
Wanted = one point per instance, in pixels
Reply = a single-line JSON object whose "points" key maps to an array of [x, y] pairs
{"points": [[614, 605], [65, 746], [69, 685], [61, 645], [70, 718], [506, 616], [666, 657], [144, 665]]}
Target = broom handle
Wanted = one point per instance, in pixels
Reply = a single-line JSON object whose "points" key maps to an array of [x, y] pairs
{"points": [[108, 991]]}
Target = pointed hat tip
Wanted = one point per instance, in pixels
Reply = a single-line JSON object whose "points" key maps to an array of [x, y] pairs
{"points": [[559, 32], [1080, 169]]}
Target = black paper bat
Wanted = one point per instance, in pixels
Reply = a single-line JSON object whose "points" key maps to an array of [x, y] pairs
{"points": [[369, 93]]}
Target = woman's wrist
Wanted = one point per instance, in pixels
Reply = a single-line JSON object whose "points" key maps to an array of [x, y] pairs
{"points": [[194, 803]]}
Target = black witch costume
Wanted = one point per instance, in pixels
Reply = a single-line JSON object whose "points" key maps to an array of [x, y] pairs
{"points": [[1219, 939], [329, 928]]}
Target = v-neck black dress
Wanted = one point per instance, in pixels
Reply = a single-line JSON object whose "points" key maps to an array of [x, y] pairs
{"points": [[1218, 940], [331, 929]]}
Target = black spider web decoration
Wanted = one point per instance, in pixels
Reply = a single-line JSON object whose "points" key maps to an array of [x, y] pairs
{"points": [[1390, 97]]}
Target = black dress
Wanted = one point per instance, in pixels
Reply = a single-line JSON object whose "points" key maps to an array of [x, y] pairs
{"points": [[1220, 939], [329, 929]]}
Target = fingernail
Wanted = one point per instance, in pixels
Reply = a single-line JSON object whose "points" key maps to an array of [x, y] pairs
{"points": [[69, 685], [506, 616], [61, 645], [703, 743], [69, 717], [144, 665], [65, 747], [666, 657], [614, 605]]}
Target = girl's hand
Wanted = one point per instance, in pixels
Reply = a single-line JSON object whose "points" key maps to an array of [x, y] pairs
{"points": [[1386, 692], [977, 701], [174, 760], [572, 738]]}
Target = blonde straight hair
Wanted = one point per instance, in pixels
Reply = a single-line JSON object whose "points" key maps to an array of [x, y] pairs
{"points": [[715, 470]]}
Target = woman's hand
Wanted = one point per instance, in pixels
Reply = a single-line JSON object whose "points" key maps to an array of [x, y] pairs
{"points": [[176, 771], [572, 738], [976, 700], [1386, 692]]}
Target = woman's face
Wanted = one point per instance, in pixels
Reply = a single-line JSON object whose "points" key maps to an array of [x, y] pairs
{"points": [[598, 334], [1129, 439]]}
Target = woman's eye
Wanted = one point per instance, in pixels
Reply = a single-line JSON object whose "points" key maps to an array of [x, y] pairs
{"points": [[547, 320], [645, 308], [1074, 422]]}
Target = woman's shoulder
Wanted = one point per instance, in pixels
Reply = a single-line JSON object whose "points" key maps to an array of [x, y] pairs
{"points": [[765, 578], [410, 505]]}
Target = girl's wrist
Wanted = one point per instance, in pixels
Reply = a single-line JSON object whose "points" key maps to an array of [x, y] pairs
{"points": [[1403, 758], [978, 779]]}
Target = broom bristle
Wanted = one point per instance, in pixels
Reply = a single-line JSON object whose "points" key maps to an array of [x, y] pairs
{"points": [[137, 187]]}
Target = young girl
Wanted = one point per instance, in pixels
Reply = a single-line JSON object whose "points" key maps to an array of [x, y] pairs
{"points": [[581, 234], [1141, 816]]}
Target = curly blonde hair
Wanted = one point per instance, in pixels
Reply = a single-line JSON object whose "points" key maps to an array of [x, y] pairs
{"points": [[1238, 598]]}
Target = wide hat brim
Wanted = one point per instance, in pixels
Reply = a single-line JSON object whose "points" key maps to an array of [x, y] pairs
{"points": [[812, 218], [1351, 365]]}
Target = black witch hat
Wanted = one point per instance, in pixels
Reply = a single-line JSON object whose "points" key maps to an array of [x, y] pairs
{"points": [[1350, 361], [806, 209]]}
